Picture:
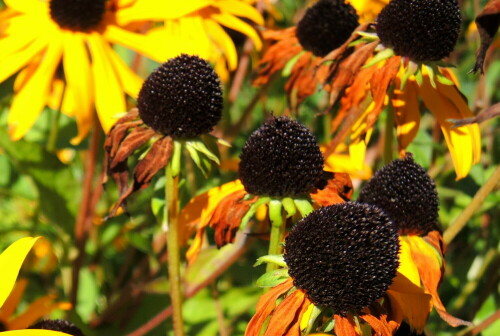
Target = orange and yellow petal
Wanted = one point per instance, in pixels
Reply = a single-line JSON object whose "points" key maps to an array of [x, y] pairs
{"points": [[406, 112]]}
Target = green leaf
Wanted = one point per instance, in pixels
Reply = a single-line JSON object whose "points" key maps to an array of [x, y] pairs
{"points": [[272, 278], [289, 206], [380, 56], [304, 206], [11, 261], [251, 211], [287, 69], [276, 259]]}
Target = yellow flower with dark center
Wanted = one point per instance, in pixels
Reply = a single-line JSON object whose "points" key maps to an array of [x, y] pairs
{"points": [[198, 27], [50, 41], [374, 73]]}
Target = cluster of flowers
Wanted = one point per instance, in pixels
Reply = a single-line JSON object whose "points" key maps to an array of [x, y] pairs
{"points": [[370, 266]]}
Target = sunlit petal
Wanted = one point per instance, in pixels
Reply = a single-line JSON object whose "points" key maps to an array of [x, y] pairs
{"points": [[31, 99], [27, 6], [10, 305], [134, 41], [33, 332], [109, 97], [223, 40], [241, 9], [130, 81], [12, 63], [406, 112], [233, 22]]}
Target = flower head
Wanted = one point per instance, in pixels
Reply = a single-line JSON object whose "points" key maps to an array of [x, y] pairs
{"points": [[343, 256], [281, 158], [77, 15], [423, 30], [326, 26], [406, 193], [182, 98]]}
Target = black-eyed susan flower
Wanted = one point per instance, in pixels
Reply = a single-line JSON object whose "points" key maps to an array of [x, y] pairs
{"points": [[281, 166], [341, 260], [392, 67], [47, 42], [178, 104], [406, 193], [198, 27], [297, 51]]}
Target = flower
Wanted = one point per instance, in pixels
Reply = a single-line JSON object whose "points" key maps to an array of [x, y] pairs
{"points": [[298, 50], [198, 27], [178, 103], [37, 35], [281, 166], [382, 70], [406, 193], [341, 259]]}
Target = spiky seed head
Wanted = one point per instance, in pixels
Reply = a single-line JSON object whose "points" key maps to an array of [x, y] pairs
{"points": [[326, 26], [343, 256], [422, 30], [77, 15], [182, 98], [281, 158], [58, 325], [406, 193]]}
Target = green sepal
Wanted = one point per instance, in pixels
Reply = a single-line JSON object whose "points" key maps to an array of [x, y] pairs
{"points": [[312, 319], [289, 206], [304, 206], [276, 259], [275, 214], [442, 79], [329, 326], [430, 69], [201, 147], [251, 211], [272, 278], [175, 160], [368, 36], [287, 69], [419, 77], [380, 56]]}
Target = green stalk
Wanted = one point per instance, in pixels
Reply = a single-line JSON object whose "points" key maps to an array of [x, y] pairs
{"points": [[277, 231], [170, 225], [54, 124], [389, 134]]}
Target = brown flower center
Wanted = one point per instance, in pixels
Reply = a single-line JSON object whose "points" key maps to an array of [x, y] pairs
{"points": [[77, 15]]}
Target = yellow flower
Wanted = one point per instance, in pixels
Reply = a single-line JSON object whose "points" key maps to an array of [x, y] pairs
{"points": [[37, 35], [197, 27], [368, 9]]}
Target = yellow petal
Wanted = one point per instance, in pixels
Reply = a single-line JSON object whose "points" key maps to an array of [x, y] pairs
{"points": [[78, 76], [20, 37], [223, 41], [31, 99], [33, 332], [109, 96], [130, 81], [234, 23], [27, 6], [414, 308], [463, 142], [241, 9], [137, 42], [10, 305], [11, 64], [11, 261], [407, 113], [407, 266]]}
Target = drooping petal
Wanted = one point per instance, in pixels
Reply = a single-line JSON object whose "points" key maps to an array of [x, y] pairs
{"points": [[224, 42], [286, 315], [445, 102], [407, 113], [37, 309], [109, 96], [10, 305], [11, 261], [233, 22], [79, 77], [32, 97], [344, 326]]}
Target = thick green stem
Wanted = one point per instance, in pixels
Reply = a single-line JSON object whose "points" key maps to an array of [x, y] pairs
{"points": [[277, 231], [476, 203], [389, 134], [170, 225]]}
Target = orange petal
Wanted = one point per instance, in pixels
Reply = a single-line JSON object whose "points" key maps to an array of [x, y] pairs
{"points": [[286, 315], [37, 309], [378, 324], [10, 305], [344, 326], [407, 113]]}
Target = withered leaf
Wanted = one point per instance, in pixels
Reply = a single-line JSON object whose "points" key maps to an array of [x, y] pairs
{"points": [[487, 23]]}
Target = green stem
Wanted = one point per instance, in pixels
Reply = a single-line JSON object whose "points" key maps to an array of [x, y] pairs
{"points": [[54, 124], [469, 211], [170, 225], [277, 231], [389, 134]]}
